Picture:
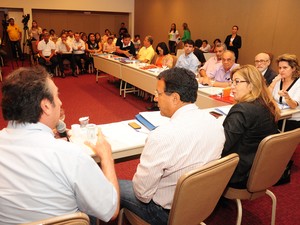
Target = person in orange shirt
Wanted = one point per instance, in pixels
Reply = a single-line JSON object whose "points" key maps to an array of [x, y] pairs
{"points": [[15, 35]]}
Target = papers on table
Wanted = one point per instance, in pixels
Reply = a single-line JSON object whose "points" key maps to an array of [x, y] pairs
{"points": [[151, 120], [211, 90], [283, 106], [224, 109]]}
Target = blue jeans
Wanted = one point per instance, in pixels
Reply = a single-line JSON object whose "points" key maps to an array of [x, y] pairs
{"points": [[150, 212]]}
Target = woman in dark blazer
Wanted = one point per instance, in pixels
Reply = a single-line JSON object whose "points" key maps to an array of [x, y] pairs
{"points": [[250, 120], [234, 42]]}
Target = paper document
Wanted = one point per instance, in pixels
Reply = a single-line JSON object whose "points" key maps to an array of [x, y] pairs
{"points": [[151, 120], [283, 106], [224, 109]]}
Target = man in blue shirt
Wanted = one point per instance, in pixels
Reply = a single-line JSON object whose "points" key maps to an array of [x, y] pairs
{"points": [[188, 60]]}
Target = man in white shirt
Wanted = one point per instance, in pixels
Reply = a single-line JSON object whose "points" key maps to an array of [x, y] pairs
{"points": [[64, 51], [47, 57], [212, 63], [78, 47], [189, 140], [262, 63], [188, 60], [42, 176]]}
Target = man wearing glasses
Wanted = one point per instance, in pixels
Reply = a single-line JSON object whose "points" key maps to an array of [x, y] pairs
{"points": [[189, 140], [262, 63]]}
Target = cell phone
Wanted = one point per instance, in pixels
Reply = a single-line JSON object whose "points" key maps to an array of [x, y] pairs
{"points": [[215, 114], [134, 125]]}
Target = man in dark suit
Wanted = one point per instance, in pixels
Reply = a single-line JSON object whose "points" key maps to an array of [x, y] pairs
{"points": [[262, 63]]}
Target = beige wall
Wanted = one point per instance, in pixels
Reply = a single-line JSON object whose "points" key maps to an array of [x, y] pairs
{"points": [[111, 6], [265, 25]]}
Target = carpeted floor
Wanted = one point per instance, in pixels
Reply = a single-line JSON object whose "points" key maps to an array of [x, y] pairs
{"points": [[84, 97]]}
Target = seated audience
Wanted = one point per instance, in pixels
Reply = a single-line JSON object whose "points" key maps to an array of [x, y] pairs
{"points": [[205, 46], [84, 37], [70, 36], [199, 53], [97, 37], [78, 47], [137, 42], [64, 51], [104, 38], [163, 59], [221, 76], [92, 47], [285, 87], [47, 55], [172, 149], [146, 53], [249, 121], [109, 46], [213, 62], [262, 63], [188, 60], [125, 47], [53, 36], [41, 176]]}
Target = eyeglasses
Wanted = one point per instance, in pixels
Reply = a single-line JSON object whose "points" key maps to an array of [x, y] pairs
{"points": [[260, 61], [236, 82], [156, 93]]}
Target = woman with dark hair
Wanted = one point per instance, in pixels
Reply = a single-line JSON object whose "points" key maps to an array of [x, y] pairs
{"points": [[97, 37], [186, 32], [92, 46], [216, 41], [250, 120], [285, 88], [173, 37], [164, 59], [234, 42]]}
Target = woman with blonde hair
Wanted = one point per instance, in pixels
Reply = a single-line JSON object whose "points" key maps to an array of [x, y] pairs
{"points": [[285, 87], [250, 120], [35, 31]]}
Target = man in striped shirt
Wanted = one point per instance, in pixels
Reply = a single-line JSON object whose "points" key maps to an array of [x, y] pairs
{"points": [[189, 140]]}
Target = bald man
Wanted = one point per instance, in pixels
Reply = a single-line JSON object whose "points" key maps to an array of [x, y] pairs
{"points": [[262, 63]]}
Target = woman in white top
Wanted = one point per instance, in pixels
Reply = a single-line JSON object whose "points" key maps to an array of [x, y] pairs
{"points": [[285, 87], [173, 36]]}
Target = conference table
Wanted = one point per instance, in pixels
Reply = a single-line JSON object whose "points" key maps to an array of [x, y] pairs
{"points": [[143, 76], [126, 141]]}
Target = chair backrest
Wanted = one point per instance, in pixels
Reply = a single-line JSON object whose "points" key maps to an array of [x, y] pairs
{"points": [[174, 60], [208, 55], [198, 191], [78, 218], [179, 52], [271, 159]]}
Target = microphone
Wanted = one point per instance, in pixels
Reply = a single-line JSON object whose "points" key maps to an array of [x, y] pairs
{"points": [[61, 129]]}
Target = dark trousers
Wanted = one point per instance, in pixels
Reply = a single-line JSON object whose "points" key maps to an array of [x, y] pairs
{"points": [[49, 66], [79, 57], [62, 57], [16, 49], [172, 47]]}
